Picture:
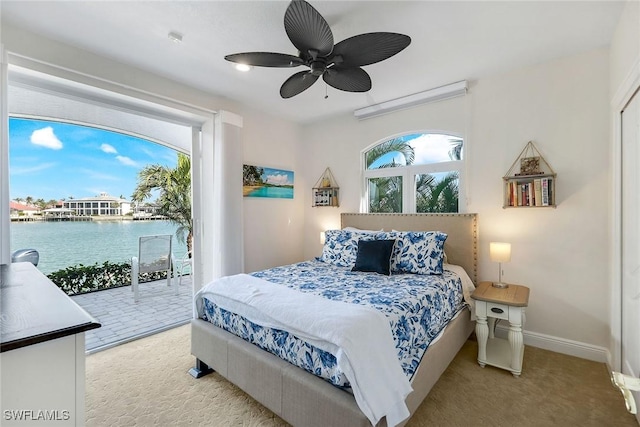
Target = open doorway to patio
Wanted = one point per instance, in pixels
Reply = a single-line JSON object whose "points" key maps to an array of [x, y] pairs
{"points": [[32, 94], [84, 188]]}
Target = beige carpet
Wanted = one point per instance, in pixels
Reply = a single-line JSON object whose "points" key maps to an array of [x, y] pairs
{"points": [[145, 383]]}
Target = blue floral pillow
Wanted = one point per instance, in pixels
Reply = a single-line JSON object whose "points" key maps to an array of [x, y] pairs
{"points": [[418, 252], [341, 246]]}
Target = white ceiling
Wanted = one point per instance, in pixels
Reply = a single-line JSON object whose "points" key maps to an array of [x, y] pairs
{"points": [[451, 41]]}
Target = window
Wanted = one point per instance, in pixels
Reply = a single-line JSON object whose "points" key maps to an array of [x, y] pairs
{"points": [[417, 172]]}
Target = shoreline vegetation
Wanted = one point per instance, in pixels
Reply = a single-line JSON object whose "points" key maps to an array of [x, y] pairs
{"points": [[81, 279]]}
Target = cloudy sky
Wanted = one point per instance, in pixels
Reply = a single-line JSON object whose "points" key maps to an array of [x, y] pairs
{"points": [[277, 176], [428, 148], [51, 160]]}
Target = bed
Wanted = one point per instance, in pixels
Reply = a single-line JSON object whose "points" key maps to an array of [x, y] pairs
{"points": [[304, 399]]}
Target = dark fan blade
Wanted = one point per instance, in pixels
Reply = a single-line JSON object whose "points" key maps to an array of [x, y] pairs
{"points": [[348, 79], [307, 29], [265, 59], [297, 83], [366, 49]]}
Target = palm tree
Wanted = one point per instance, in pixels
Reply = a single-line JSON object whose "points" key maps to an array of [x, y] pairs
{"points": [[395, 145], [385, 194], [252, 175], [437, 196], [28, 200], [455, 153], [174, 199]]}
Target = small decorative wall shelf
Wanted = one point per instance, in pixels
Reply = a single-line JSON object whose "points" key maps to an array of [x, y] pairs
{"points": [[530, 181], [325, 192]]}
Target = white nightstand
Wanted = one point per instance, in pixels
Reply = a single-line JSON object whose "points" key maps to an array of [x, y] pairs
{"points": [[500, 303]]}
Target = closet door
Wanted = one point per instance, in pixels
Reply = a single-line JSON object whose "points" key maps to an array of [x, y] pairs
{"points": [[630, 120]]}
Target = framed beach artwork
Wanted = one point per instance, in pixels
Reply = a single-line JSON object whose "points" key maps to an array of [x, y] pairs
{"points": [[260, 181]]}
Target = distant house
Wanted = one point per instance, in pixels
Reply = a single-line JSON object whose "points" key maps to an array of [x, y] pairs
{"points": [[146, 210], [18, 209], [58, 212], [102, 205]]}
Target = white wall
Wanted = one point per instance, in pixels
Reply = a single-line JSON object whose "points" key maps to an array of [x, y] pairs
{"points": [[273, 227], [269, 140], [561, 254], [625, 46]]}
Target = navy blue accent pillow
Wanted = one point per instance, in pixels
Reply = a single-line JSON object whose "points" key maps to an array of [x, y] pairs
{"points": [[374, 256]]}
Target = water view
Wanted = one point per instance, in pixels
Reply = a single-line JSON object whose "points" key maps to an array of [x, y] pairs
{"points": [[280, 192], [63, 244]]}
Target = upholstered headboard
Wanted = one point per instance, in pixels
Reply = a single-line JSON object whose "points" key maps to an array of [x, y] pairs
{"points": [[461, 246]]}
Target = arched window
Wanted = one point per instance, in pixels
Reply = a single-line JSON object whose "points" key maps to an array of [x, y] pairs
{"points": [[416, 172]]}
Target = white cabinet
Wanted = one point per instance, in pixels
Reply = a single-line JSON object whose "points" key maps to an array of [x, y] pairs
{"points": [[493, 303], [43, 383], [42, 358]]}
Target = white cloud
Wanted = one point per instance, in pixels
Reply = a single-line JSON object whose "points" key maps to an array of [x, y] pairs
{"points": [[126, 161], [431, 149], [108, 149], [277, 179], [46, 138]]}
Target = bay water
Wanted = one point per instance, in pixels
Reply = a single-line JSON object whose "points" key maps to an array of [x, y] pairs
{"points": [[68, 243]]}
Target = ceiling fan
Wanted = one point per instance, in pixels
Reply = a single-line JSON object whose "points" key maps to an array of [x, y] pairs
{"points": [[338, 65]]}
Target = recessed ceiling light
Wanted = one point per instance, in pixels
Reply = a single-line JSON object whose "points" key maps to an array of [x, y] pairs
{"points": [[175, 37], [243, 67]]}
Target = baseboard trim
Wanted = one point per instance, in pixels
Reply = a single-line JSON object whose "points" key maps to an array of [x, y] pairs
{"points": [[560, 345]]}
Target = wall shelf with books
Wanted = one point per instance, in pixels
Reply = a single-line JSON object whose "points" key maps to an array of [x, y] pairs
{"points": [[326, 191], [530, 182]]}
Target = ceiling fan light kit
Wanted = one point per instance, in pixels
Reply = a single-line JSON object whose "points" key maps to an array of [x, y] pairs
{"points": [[243, 67], [339, 64]]}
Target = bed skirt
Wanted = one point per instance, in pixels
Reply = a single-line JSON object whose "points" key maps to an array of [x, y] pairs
{"points": [[300, 398]]}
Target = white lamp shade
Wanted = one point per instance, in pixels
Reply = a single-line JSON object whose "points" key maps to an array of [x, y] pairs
{"points": [[500, 252]]}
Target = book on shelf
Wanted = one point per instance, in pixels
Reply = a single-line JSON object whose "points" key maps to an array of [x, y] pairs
{"points": [[537, 188], [546, 191], [534, 192]]}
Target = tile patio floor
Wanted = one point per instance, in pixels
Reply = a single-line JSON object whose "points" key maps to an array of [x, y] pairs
{"points": [[123, 320]]}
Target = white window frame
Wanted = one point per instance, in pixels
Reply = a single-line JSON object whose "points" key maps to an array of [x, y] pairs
{"points": [[409, 173]]}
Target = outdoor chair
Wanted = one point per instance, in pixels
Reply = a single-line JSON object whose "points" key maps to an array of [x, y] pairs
{"points": [[154, 254], [184, 267]]}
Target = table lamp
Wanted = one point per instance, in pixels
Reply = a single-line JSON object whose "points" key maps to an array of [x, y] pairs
{"points": [[500, 252]]}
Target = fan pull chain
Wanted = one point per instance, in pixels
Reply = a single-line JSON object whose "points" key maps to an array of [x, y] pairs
{"points": [[326, 87]]}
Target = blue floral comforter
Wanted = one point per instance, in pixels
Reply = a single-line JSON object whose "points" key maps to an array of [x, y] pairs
{"points": [[418, 308]]}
